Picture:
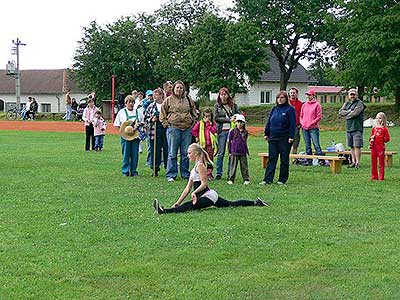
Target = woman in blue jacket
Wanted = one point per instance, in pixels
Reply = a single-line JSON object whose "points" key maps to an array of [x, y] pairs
{"points": [[279, 132]]}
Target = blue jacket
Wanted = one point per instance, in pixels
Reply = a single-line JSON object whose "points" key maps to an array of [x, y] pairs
{"points": [[281, 123]]}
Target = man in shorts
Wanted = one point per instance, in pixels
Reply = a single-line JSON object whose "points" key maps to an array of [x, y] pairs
{"points": [[353, 112]]}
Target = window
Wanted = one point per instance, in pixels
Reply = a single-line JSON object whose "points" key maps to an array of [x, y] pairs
{"points": [[46, 107], [332, 99], [265, 97], [323, 98]]}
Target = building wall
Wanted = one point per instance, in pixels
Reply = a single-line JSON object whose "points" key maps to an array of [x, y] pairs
{"points": [[56, 102], [254, 95]]}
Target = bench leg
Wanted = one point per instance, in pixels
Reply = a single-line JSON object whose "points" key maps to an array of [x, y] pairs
{"points": [[336, 166], [389, 160], [264, 161]]}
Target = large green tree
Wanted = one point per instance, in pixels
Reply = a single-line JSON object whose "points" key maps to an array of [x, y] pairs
{"points": [[118, 49], [223, 53], [369, 45], [292, 29]]}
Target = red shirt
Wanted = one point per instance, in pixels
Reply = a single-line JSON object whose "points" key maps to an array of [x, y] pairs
{"points": [[379, 136], [297, 104]]}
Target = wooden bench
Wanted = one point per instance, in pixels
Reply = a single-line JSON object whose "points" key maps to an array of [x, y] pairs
{"points": [[388, 155], [335, 162]]}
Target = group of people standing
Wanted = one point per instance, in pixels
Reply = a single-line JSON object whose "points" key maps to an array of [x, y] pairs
{"points": [[169, 120]]}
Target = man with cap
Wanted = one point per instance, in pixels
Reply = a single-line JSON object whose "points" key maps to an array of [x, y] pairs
{"points": [[128, 121], [353, 112]]}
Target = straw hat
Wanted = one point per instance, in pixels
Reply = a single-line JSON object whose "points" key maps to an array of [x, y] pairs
{"points": [[127, 131]]}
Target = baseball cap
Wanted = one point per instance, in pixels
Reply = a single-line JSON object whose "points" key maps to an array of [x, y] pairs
{"points": [[310, 92], [149, 93]]}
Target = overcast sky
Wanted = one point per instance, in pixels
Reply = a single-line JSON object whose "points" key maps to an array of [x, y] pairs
{"points": [[50, 28]]}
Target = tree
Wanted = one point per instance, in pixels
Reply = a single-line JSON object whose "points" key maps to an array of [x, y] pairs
{"points": [[223, 53], [118, 49], [369, 45], [292, 29], [323, 71]]}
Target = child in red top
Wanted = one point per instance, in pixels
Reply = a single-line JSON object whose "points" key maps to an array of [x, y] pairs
{"points": [[205, 133], [379, 136]]}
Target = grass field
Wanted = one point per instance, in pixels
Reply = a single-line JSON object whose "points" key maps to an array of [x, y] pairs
{"points": [[72, 228]]}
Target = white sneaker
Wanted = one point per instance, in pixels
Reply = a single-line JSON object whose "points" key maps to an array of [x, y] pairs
{"points": [[280, 183], [230, 182], [246, 182], [170, 179]]}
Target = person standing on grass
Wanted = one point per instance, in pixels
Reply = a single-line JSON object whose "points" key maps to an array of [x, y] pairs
{"points": [[88, 117], [238, 150], [310, 116], [205, 133], [68, 107], [202, 196], [178, 115], [100, 126], [157, 132], [128, 120], [224, 110], [297, 104], [353, 112], [279, 132], [379, 136]]}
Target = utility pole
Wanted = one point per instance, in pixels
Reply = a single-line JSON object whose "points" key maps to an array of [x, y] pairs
{"points": [[15, 51]]}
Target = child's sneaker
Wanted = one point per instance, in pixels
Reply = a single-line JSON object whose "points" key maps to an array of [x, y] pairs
{"points": [[246, 182], [230, 182]]}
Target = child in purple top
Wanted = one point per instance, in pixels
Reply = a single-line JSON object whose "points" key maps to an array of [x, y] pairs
{"points": [[238, 150]]}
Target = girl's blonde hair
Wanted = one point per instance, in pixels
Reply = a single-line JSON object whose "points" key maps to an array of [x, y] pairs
{"points": [[201, 153], [384, 119]]}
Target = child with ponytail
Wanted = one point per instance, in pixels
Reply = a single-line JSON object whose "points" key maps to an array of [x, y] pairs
{"points": [[202, 196]]}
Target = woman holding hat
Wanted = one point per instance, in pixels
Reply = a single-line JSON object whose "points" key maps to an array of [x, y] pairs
{"points": [[128, 121]]}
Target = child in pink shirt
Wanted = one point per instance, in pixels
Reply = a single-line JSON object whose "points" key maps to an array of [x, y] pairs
{"points": [[100, 126]]}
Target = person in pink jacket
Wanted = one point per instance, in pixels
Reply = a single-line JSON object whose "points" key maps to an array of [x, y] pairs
{"points": [[310, 116], [205, 133]]}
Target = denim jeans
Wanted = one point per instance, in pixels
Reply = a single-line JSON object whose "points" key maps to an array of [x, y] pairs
{"points": [[130, 156], [312, 135], [178, 139], [222, 139], [278, 148], [98, 141], [68, 112]]}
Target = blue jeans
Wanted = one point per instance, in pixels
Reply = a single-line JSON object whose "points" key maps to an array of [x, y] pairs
{"points": [[130, 156], [178, 139], [222, 139], [312, 135], [278, 148], [68, 110], [98, 141]]}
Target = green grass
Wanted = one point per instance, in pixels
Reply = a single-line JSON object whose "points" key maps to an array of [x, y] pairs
{"points": [[72, 228]]}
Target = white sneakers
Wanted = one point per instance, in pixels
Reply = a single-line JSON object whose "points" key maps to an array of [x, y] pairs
{"points": [[246, 182]]}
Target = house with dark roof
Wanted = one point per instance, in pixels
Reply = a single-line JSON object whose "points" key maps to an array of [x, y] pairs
{"points": [[48, 87], [265, 90]]}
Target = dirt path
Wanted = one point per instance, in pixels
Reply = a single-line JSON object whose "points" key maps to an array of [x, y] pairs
{"points": [[73, 127]]}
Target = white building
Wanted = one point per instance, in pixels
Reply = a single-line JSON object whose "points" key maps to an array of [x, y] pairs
{"points": [[48, 87], [265, 90]]}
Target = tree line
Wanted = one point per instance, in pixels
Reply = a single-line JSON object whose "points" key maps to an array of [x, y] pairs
{"points": [[351, 43]]}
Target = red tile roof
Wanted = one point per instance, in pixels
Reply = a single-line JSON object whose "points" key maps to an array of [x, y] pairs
{"points": [[321, 89]]}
